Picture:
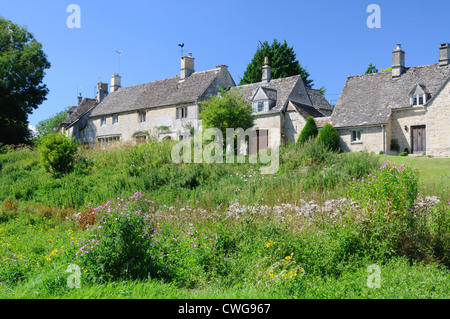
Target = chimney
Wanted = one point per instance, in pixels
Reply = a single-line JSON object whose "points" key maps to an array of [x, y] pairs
{"points": [[266, 71], [222, 66], [398, 61], [80, 98], [187, 66], [116, 81], [102, 91], [444, 54]]}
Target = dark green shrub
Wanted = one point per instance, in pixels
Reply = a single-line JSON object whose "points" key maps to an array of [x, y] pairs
{"points": [[329, 137], [403, 154], [310, 131], [57, 153], [406, 150], [395, 146]]}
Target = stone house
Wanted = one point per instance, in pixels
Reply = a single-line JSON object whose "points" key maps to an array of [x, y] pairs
{"points": [[406, 108], [168, 109]]}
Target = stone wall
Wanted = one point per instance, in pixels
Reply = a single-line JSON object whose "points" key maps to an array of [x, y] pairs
{"points": [[405, 117], [293, 125], [371, 139], [128, 123], [438, 124]]}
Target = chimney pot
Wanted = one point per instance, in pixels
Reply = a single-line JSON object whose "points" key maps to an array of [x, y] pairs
{"points": [[80, 98], [102, 91], [398, 61], [115, 82], [187, 66], [444, 54], [266, 71]]}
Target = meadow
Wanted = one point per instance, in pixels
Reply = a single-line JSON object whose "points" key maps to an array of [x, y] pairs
{"points": [[136, 225]]}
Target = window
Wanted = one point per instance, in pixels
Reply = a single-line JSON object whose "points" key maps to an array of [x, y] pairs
{"points": [[260, 106], [108, 139], [115, 118], [418, 99], [142, 116], [103, 121], [356, 136], [182, 112]]}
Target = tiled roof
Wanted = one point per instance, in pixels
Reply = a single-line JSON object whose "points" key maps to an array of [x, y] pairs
{"points": [[368, 99], [306, 110], [158, 93], [75, 112], [318, 100], [283, 88]]}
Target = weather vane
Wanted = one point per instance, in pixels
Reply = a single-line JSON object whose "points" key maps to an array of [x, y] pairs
{"points": [[181, 46]]}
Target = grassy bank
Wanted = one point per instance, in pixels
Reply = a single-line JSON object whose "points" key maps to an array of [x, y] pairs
{"points": [[139, 226]]}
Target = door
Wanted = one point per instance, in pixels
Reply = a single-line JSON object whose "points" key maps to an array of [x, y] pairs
{"points": [[418, 139], [259, 142]]}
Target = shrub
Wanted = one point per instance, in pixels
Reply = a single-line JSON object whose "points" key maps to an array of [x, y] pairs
{"points": [[403, 154], [406, 150], [57, 153], [329, 137], [391, 188], [115, 246], [395, 146], [310, 131]]}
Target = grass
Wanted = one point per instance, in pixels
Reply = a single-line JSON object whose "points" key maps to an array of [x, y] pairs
{"points": [[239, 234], [434, 173]]}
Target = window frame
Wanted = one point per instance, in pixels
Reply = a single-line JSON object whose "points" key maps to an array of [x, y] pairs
{"points": [[142, 116], [103, 121], [182, 112], [115, 119], [356, 136]]}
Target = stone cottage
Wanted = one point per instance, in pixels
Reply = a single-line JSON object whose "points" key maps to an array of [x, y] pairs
{"points": [[406, 108], [168, 109]]}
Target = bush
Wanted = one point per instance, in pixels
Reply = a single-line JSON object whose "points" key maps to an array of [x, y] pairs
{"points": [[403, 154], [391, 188], [57, 153], [329, 137], [310, 131]]}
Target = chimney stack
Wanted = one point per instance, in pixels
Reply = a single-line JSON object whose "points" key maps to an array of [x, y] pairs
{"points": [[266, 71], [116, 81], [102, 91], [444, 54], [187, 66], [398, 61], [80, 98]]}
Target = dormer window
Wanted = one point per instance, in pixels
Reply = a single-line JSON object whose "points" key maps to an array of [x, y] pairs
{"points": [[417, 99], [260, 106], [419, 96]]}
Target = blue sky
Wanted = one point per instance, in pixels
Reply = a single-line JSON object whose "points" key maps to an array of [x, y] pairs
{"points": [[331, 38]]}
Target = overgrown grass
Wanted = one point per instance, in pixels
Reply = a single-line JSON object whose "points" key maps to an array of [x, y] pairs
{"points": [[216, 231]]}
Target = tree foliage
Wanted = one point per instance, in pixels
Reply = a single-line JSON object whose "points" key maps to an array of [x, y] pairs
{"points": [[22, 66], [282, 60], [50, 125], [309, 131], [371, 69], [228, 109], [329, 137]]}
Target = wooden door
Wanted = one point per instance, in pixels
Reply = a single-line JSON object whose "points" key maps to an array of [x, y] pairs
{"points": [[418, 139]]}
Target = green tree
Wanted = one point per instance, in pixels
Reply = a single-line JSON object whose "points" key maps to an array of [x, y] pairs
{"points": [[282, 60], [22, 66], [50, 125], [371, 69], [309, 131], [228, 109], [329, 137], [57, 153]]}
